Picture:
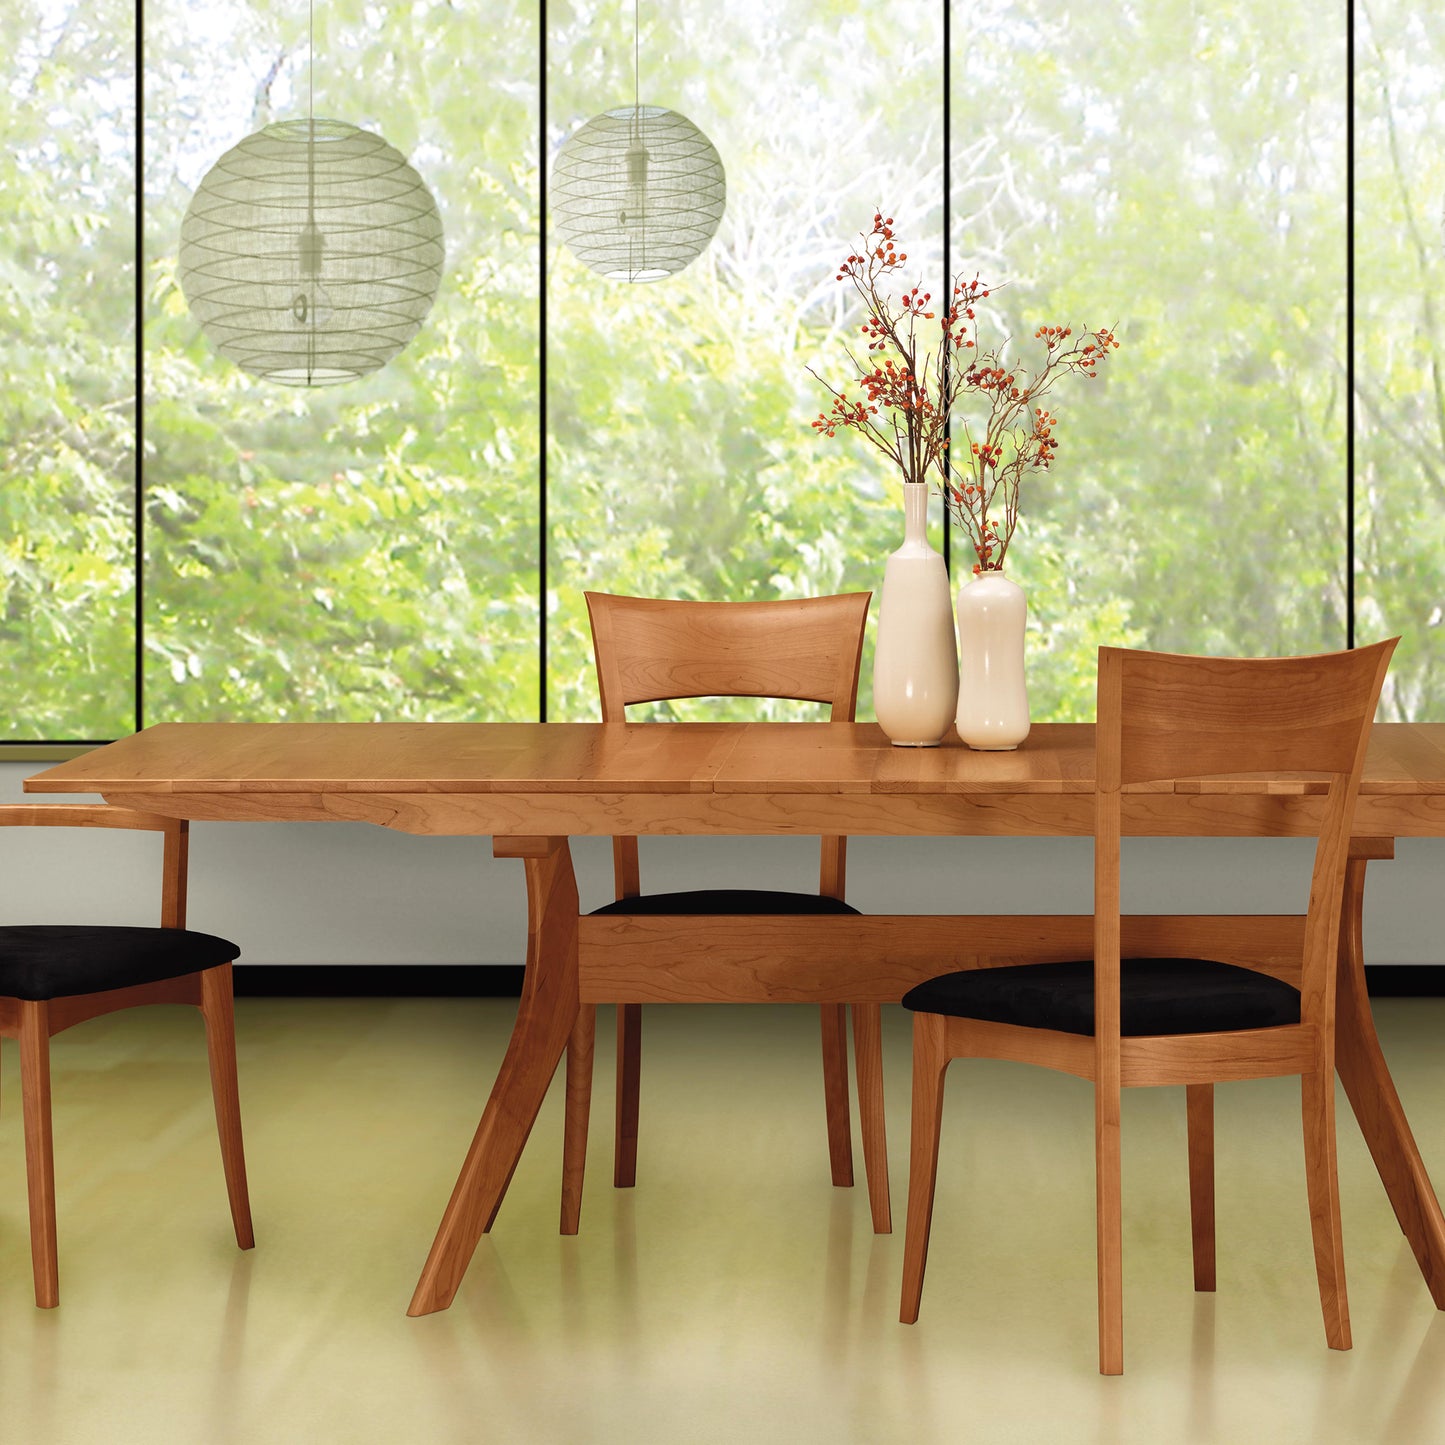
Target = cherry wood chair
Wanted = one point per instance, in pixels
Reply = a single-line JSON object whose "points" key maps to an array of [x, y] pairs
{"points": [[650, 650], [53, 976], [1187, 724]]}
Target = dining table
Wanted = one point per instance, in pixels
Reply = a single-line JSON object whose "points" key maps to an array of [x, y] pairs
{"points": [[532, 786]]}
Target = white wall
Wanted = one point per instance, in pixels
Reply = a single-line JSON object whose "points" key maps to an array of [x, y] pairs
{"points": [[351, 893]]}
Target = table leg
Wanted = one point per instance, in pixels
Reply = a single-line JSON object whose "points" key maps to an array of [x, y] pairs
{"points": [[1372, 1096], [545, 1016]]}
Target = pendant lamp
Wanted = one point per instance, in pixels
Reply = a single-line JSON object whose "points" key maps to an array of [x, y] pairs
{"points": [[311, 252], [637, 192]]}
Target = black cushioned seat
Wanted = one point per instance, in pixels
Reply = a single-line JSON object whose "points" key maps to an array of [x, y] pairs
{"points": [[44, 961], [728, 900], [1156, 996]]}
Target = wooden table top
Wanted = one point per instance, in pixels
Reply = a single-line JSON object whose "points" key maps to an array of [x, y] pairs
{"points": [[1405, 759], [556, 779]]}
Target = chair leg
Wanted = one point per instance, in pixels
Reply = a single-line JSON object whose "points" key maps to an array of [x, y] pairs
{"points": [[835, 1092], [629, 1079], [578, 1110], [39, 1153], [1322, 1180], [218, 1010], [1108, 1204], [868, 1060], [1200, 1113], [930, 1060]]}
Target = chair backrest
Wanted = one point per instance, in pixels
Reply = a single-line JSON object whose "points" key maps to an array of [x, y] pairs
{"points": [[652, 650], [1165, 718], [102, 815]]}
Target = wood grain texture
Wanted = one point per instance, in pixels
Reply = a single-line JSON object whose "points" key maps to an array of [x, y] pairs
{"points": [[545, 1016], [1363, 1071], [66, 1012], [628, 1099], [1199, 1126], [930, 1061], [81, 815], [1323, 1187], [1158, 1060], [1183, 722], [577, 1113], [34, 1022], [833, 1019], [868, 1054], [39, 1150], [820, 779], [704, 777], [878, 958], [650, 650], [218, 1011]]}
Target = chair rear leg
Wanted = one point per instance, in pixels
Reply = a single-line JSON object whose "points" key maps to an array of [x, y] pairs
{"points": [[218, 1010], [868, 1060], [835, 1092], [1200, 1114], [629, 1080], [929, 1062], [39, 1152], [1322, 1180], [578, 1110], [1109, 1222]]}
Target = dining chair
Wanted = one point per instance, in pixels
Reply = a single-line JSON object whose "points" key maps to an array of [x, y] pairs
{"points": [[651, 650], [53, 976], [1189, 725]]}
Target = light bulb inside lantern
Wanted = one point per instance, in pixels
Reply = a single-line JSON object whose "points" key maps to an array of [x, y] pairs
{"points": [[311, 304], [633, 215]]}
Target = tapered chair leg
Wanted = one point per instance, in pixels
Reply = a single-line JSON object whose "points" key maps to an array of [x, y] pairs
{"points": [[868, 1060], [1322, 1181], [578, 1109], [39, 1152], [835, 1092], [930, 1060], [1109, 1186], [218, 1010], [629, 1080], [1200, 1115]]}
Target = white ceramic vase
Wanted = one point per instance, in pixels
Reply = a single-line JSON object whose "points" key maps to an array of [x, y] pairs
{"points": [[993, 701], [915, 662]]}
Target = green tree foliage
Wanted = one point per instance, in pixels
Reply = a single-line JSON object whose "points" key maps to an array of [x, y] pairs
{"points": [[1174, 170], [67, 371], [1399, 413], [368, 551], [680, 461]]}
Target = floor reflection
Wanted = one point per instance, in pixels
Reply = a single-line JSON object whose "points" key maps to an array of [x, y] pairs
{"points": [[734, 1296]]}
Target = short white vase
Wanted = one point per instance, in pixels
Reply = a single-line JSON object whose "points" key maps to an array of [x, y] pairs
{"points": [[993, 700], [915, 660]]}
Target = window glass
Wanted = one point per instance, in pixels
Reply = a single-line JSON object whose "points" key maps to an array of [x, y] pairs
{"points": [[67, 371], [680, 459], [365, 551], [1399, 403], [1174, 172]]}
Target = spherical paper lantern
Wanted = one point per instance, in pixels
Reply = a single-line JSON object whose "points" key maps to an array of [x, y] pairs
{"points": [[637, 192], [311, 253]]}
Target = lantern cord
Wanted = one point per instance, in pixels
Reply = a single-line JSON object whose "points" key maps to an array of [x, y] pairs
{"points": [[311, 254], [636, 87]]}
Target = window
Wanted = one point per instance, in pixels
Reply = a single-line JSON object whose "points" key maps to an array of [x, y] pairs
{"points": [[375, 550]]}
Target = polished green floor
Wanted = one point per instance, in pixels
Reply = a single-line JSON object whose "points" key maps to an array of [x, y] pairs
{"points": [[734, 1296]]}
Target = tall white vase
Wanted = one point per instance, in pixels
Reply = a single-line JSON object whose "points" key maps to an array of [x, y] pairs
{"points": [[993, 700], [915, 662]]}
